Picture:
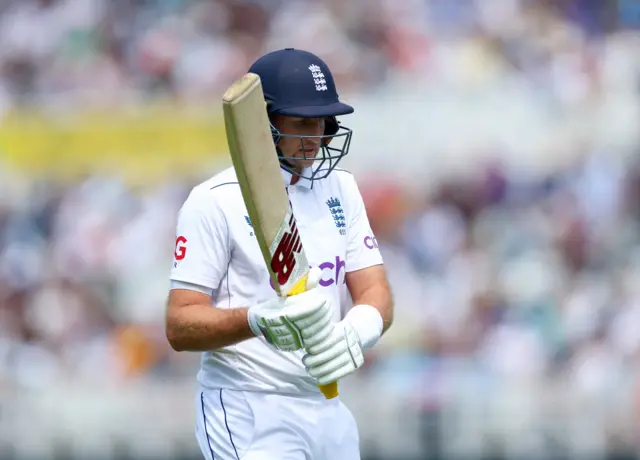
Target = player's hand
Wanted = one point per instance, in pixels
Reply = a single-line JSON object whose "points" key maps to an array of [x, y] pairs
{"points": [[297, 322], [337, 356]]}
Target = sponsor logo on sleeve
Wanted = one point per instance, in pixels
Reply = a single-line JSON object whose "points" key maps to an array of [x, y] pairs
{"points": [[180, 250], [370, 242]]}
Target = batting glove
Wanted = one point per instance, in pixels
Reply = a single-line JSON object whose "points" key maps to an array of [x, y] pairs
{"points": [[296, 322], [341, 353]]}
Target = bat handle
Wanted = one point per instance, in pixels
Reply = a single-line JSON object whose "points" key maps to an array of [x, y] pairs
{"points": [[329, 390]]}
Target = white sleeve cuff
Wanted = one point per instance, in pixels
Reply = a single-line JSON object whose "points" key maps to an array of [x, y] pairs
{"points": [[178, 284], [367, 322]]}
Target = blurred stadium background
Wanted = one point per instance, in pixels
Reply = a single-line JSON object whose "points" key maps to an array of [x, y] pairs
{"points": [[497, 143]]}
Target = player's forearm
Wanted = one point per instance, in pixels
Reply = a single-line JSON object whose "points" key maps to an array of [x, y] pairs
{"points": [[203, 328], [378, 296]]}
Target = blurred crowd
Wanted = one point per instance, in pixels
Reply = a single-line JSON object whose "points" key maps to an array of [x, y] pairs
{"points": [[520, 277], [83, 278], [528, 278], [59, 53]]}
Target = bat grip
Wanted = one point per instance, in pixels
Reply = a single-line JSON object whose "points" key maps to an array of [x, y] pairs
{"points": [[330, 390]]}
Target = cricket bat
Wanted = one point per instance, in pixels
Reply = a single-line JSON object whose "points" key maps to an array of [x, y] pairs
{"points": [[255, 159]]}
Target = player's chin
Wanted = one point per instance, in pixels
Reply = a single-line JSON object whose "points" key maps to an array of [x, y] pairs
{"points": [[305, 162]]}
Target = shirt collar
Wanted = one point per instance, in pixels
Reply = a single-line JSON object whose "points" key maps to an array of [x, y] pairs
{"points": [[302, 182]]}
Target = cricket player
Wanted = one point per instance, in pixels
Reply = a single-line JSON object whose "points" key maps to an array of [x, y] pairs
{"points": [[258, 399]]}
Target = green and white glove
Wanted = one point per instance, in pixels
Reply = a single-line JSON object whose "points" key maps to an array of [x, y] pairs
{"points": [[340, 353], [296, 322]]}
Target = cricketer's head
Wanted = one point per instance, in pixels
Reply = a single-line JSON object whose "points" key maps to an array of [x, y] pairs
{"points": [[303, 106]]}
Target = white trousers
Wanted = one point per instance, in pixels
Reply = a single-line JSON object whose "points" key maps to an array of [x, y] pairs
{"points": [[240, 425]]}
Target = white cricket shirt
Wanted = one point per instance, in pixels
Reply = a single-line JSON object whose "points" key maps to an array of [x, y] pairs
{"points": [[216, 249]]}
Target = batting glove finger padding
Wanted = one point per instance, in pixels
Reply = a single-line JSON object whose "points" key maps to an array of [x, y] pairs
{"points": [[303, 306], [306, 321], [336, 357], [317, 332], [331, 341], [295, 322]]}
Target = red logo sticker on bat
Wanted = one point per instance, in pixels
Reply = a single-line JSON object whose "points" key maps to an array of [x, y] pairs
{"points": [[284, 261]]}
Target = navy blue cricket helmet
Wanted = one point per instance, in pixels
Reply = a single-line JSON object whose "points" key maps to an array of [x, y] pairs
{"points": [[297, 83]]}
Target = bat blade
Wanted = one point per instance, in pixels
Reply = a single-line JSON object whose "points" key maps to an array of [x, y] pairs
{"points": [[256, 163]]}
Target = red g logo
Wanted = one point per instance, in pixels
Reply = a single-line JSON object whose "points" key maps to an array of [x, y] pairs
{"points": [[181, 248]]}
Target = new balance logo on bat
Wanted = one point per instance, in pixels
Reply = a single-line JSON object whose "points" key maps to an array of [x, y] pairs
{"points": [[284, 259]]}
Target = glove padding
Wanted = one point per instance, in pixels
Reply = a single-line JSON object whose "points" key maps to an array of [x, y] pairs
{"points": [[337, 356], [296, 322]]}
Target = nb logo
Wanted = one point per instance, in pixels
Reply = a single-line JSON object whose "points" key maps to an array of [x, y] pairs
{"points": [[284, 259]]}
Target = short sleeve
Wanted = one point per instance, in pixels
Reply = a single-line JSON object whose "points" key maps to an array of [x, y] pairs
{"points": [[362, 246], [202, 243]]}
